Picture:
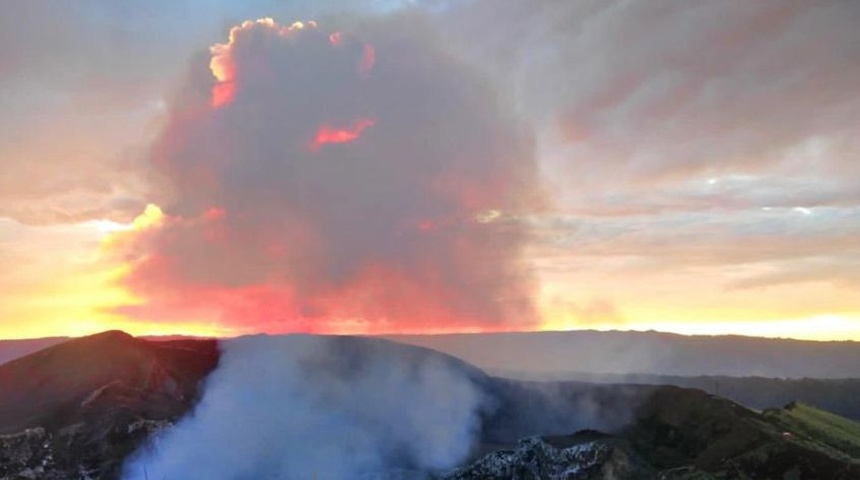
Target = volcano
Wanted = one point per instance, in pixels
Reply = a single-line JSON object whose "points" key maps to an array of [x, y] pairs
{"points": [[82, 408]]}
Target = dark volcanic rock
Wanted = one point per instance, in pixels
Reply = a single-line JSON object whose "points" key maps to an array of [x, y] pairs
{"points": [[72, 453], [582, 456], [26, 455]]}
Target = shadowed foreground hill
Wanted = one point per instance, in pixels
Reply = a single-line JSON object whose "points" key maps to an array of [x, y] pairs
{"points": [[94, 399]]}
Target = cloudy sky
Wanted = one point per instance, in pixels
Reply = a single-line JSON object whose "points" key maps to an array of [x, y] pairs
{"points": [[211, 168]]}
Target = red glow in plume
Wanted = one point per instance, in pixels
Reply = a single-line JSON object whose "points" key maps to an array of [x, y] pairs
{"points": [[270, 227], [327, 134], [223, 94], [368, 59]]}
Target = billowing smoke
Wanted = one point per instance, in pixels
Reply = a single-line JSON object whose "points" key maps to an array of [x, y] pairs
{"points": [[303, 407], [358, 179]]}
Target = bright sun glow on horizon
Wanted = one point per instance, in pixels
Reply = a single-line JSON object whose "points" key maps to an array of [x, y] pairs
{"points": [[823, 329], [84, 304]]}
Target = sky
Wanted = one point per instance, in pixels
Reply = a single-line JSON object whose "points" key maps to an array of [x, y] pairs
{"points": [[216, 168]]}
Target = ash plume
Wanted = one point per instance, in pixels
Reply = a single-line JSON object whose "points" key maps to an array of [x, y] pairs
{"points": [[301, 407], [350, 179]]}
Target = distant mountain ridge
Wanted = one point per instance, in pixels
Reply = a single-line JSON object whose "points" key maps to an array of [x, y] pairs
{"points": [[12, 349], [559, 354], [567, 354]]}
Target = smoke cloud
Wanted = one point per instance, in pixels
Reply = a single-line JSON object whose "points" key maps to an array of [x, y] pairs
{"points": [[359, 179], [302, 407]]}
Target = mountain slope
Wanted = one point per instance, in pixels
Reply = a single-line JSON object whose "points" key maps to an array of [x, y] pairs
{"points": [[84, 404], [840, 396], [818, 429], [687, 434]]}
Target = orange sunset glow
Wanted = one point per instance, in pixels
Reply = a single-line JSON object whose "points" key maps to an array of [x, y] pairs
{"points": [[424, 171]]}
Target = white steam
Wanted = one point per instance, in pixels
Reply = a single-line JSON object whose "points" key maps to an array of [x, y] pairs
{"points": [[302, 407]]}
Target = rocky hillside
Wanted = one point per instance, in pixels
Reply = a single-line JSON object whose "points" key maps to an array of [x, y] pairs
{"points": [[75, 410], [584, 455], [687, 434]]}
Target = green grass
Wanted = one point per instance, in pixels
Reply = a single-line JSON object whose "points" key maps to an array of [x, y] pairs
{"points": [[810, 425]]}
